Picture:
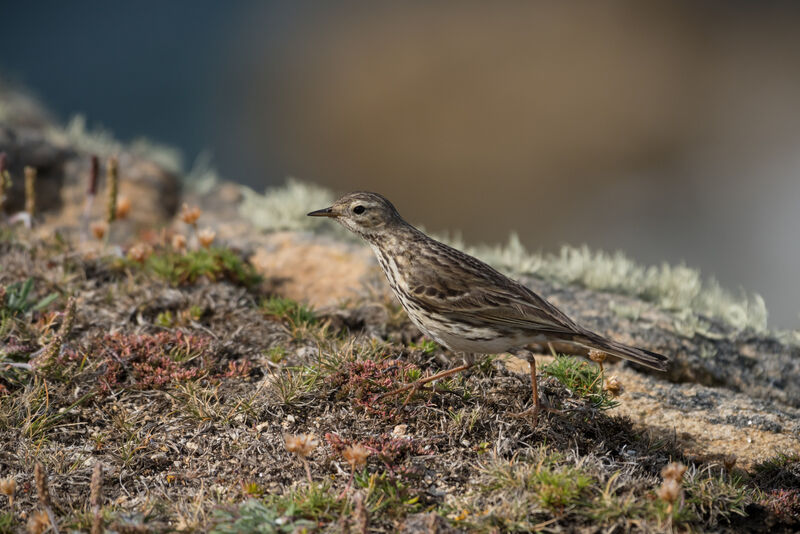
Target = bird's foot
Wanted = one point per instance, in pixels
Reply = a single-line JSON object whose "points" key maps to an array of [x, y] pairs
{"points": [[533, 412], [416, 386]]}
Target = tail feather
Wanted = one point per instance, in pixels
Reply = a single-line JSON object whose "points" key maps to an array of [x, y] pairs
{"points": [[644, 357]]}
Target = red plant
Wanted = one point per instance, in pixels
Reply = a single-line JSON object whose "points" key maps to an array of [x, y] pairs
{"points": [[153, 361], [785, 504]]}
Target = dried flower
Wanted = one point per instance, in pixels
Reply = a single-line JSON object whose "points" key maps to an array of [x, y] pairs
{"points": [[140, 252], [112, 175], [30, 191], [42, 490], [301, 444], [613, 386], [8, 487], [190, 215], [674, 471], [400, 430], [53, 349], [669, 491], [38, 522], [179, 242], [729, 461], [597, 356], [123, 207], [356, 455], [206, 237], [99, 229]]}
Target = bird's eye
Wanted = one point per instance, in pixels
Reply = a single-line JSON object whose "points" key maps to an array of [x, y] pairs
{"points": [[358, 210]]}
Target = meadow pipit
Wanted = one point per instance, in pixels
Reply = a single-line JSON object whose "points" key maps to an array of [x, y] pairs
{"points": [[459, 301]]}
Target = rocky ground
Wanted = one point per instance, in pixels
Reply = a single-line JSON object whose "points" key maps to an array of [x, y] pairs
{"points": [[235, 387]]}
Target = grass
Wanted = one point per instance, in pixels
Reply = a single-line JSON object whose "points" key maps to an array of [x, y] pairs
{"points": [[8, 525], [18, 299], [255, 516], [182, 268], [715, 497], [289, 310], [583, 379]]}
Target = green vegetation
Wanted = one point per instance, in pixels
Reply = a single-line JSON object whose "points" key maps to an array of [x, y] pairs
{"points": [[254, 516], [285, 208], [289, 310], [213, 264], [18, 299], [583, 379]]}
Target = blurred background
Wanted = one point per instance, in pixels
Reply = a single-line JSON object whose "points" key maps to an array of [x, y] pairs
{"points": [[669, 130]]}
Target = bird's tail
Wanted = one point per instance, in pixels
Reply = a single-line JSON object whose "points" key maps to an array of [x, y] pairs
{"points": [[634, 354]]}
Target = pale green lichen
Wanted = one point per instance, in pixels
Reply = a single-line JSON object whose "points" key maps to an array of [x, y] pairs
{"points": [[676, 288], [285, 207], [202, 177]]}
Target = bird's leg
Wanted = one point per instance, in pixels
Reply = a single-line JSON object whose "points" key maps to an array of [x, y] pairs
{"points": [[533, 411], [422, 381]]}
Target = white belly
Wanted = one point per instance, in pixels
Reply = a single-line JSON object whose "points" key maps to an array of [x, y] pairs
{"points": [[457, 339]]}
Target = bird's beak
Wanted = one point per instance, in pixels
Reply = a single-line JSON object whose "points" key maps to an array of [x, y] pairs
{"points": [[327, 212]]}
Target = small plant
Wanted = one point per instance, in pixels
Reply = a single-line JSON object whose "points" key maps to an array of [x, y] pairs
{"points": [[254, 516], [290, 310], [555, 484], [302, 445], [712, 496], [153, 361], [206, 263], [783, 504], [276, 354], [293, 385], [582, 379], [165, 319], [425, 345], [18, 299]]}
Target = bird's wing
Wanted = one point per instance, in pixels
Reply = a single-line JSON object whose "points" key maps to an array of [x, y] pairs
{"points": [[476, 293]]}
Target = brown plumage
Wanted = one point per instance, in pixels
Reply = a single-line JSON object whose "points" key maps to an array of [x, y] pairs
{"points": [[456, 299]]}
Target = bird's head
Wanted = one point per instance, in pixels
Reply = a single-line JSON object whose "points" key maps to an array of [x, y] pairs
{"points": [[366, 214]]}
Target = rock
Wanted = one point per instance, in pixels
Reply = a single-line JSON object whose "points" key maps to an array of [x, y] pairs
{"points": [[318, 271], [707, 352]]}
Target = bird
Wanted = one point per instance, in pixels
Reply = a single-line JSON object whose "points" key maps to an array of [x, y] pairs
{"points": [[462, 303]]}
